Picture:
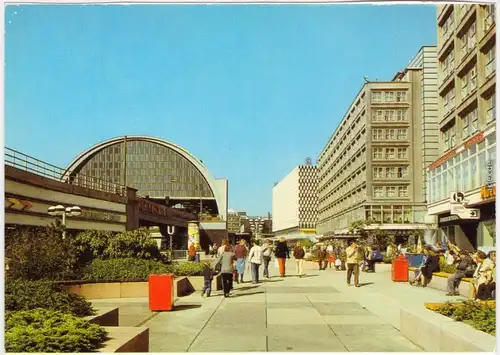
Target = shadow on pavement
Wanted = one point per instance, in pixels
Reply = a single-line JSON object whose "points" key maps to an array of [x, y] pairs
{"points": [[309, 275], [183, 307], [233, 295], [269, 280], [365, 284], [245, 288]]}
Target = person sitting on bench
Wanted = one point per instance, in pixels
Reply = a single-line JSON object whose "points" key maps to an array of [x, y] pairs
{"points": [[431, 266], [486, 289], [482, 275]]}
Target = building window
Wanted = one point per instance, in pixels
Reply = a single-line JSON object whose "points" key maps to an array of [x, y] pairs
{"points": [[402, 172], [447, 27], [401, 115], [378, 191], [389, 96], [378, 173], [469, 82], [490, 61], [470, 123], [468, 40], [402, 134], [377, 153], [390, 173], [390, 153], [378, 115], [401, 96], [378, 134], [490, 109], [391, 134], [391, 191], [402, 153], [449, 138], [402, 191], [448, 65], [449, 101], [377, 96], [489, 18]]}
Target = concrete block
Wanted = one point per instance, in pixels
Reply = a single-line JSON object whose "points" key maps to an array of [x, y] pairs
{"points": [[126, 340], [183, 287], [134, 289], [105, 317], [96, 290], [434, 332], [422, 327]]}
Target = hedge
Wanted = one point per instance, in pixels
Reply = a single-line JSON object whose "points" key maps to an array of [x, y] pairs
{"points": [[127, 269], [479, 315], [48, 331], [26, 295], [131, 269]]}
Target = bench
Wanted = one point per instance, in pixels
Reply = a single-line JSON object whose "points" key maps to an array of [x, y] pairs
{"points": [[440, 282]]}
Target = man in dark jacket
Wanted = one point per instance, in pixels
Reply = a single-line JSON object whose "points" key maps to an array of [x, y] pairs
{"points": [[462, 262], [321, 256], [282, 253]]}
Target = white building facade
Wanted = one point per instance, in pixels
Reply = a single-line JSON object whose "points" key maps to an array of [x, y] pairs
{"points": [[295, 203]]}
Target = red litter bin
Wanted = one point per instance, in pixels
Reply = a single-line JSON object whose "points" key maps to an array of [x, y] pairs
{"points": [[400, 269], [161, 292]]}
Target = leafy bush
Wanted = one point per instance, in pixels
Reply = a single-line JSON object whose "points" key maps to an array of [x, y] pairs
{"points": [[25, 295], [449, 269], [479, 315], [126, 269], [134, 244], [39, 253], [190, 268], [48, 331], [91, 244]]}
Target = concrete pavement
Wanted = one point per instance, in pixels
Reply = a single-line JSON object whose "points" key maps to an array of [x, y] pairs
{"points": [[315, 313]]}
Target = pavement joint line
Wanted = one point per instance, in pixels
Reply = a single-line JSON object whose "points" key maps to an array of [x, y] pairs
{"points": [[329, 326], [144, 321], [204, 325]]}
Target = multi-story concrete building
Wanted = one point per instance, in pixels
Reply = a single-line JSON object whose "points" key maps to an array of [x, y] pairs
{"points": [[233, 221], [295, 204], [467, 119], [372, 168]]}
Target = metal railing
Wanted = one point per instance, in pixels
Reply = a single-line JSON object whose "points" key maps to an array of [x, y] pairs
{"points": [[27, 163]]}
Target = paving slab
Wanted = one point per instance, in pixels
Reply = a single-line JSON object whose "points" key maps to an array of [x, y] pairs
{"points": [[287, 297], [300, 338], [354, 319], [299, 316], [223, 343], [340, 308]]}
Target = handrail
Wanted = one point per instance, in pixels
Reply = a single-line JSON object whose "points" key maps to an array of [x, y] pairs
{"points": [[36, 166]]}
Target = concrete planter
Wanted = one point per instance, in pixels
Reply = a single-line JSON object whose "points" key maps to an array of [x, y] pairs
{"points": [[434, 332], [183, 285], [126, 340]]}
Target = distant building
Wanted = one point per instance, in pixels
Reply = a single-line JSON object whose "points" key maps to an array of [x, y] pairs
{"points": [[295, 203], [373, 167]]}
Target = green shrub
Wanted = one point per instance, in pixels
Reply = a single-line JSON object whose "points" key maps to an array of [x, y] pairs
{"points": [[479, 315], [25, 295], [126, 269], [449, 269], [48, 331], [39, 253], [91, 244], [190, 268], [134, 244]]}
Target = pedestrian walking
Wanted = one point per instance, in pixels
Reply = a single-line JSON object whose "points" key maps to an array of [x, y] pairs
{"points": [[266, 257], [298, 254], [282, 253], [208, 276], [255, 258], [191, 252], [321, 256], [241, 252], [352, 263], [226, 266]]}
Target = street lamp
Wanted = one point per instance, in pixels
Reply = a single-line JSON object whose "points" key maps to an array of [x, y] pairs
{"points": [[256, 225], [60, 210]]}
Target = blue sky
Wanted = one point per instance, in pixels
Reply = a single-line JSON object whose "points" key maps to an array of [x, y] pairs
{"points": [[250, 90]]}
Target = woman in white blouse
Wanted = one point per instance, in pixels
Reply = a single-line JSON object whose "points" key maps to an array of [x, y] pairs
{"points": [[255, 258]]}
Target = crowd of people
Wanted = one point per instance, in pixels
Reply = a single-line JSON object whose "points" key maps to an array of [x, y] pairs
{"points": [[234, 261]]}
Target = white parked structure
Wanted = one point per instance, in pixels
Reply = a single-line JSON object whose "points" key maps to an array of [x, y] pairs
{"points": [[295, 204]]}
